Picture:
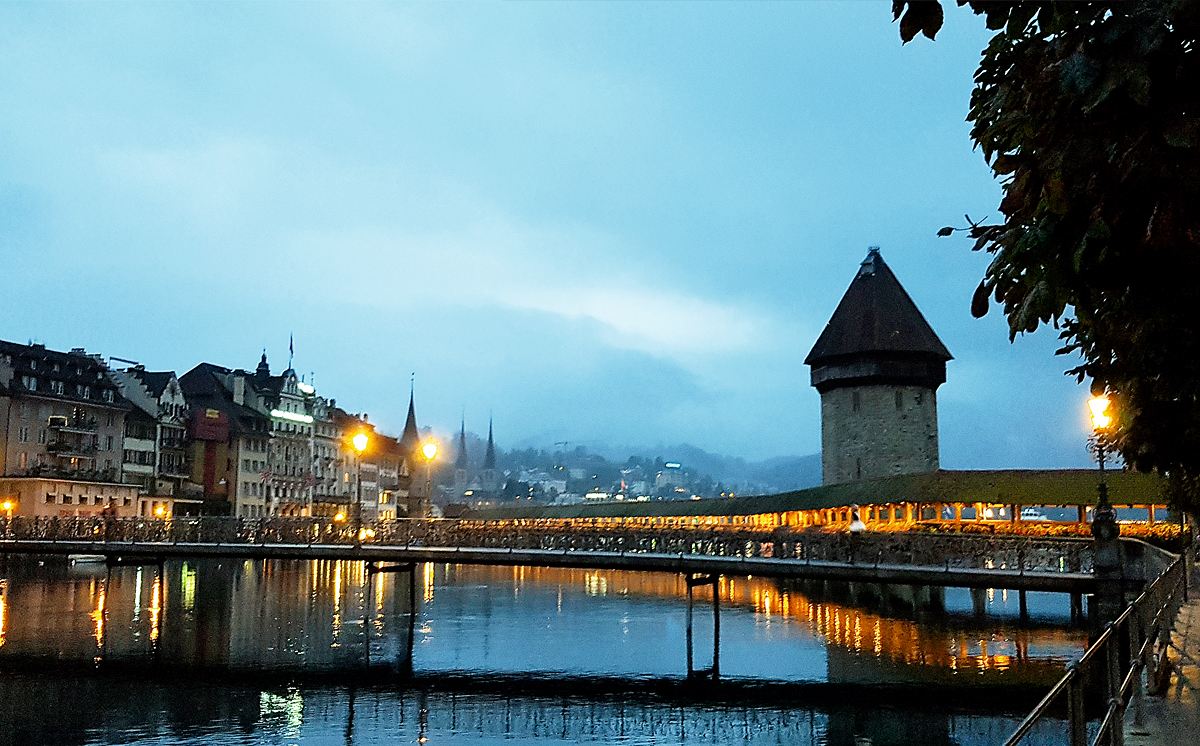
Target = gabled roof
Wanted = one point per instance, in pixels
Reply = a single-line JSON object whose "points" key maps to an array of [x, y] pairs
{"points": [[876, 315], [1065, 487], [75, 370], [154, 381]]}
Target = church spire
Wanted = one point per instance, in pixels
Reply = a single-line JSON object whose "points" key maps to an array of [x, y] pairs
{"points": [[489, 459], [460, 461], [410, 439]]}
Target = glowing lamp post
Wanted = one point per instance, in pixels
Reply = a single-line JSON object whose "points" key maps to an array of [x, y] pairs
{"points": [[359, 441], [430, 450], [1104, 519]]}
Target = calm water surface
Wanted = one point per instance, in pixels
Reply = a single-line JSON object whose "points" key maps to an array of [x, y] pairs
{"points": [[275, 653]]}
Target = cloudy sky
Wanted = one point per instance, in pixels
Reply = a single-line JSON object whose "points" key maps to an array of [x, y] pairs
{"points": [[604, 223]]}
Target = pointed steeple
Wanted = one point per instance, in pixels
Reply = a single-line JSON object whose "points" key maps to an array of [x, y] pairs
{"points": [[460, 461], [489, 459], [410, 439]]}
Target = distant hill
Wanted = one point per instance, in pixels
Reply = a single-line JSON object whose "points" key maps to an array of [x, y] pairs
{"points": [[778, 474]]}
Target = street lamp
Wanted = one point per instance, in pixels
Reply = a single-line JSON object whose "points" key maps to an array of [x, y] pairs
{"points": [[430, 450], [359, 441], [1104, 518]]}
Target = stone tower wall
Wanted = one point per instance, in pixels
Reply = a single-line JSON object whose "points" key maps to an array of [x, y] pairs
{"points": [[877, 431]]}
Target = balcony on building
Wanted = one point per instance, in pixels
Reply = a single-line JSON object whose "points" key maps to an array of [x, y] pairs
{"points": [[78, 424]]}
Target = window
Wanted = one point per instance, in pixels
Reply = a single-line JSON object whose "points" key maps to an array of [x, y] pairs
{"points": [[23, 434], [23, 460], [110, 415], [245, 464], [108, 464], [50, 497], [108, 443], [67, 499], [42, 436], [128, 501], [29, 382], [56, 387], [87, 392]]}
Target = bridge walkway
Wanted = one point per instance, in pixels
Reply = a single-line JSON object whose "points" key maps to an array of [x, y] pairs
{"points": [[865, 572], [1173, 719]]}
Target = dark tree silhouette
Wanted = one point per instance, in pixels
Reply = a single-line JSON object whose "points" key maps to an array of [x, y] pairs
{"points": [[1090, 115]]}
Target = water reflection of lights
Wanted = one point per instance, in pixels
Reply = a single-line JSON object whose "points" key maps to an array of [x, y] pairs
{"points": [[595, 584], [288, 707], [137, 596], [855, 629], [3, 610], [155, 607], [188, 578], [427, 580], [97, 616]]}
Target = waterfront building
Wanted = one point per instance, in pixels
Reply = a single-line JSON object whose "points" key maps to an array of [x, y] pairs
{"points": [[60, 415], [229, 442], [154, 455], [49, 497], [877, 366]]}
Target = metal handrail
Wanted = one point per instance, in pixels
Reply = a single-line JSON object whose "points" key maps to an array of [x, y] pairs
{"points": [[1161, 596]]}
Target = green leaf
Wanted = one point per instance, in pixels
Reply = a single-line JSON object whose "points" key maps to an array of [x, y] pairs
{"points": [[979, 301]]}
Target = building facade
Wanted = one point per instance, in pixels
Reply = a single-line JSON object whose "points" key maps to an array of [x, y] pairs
{"points": [[60, 415], [155, 453]]}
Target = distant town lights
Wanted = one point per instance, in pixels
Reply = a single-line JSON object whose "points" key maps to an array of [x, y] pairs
{"points": [[294, 417]]}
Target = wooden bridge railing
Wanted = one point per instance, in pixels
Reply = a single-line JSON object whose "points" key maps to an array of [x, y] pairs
{"points": [[1028, 554]]}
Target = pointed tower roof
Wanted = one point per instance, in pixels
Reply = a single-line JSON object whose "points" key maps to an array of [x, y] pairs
{"points": [[876, 315], [878, 332], [460, 461], [410, 439], [489, 459]]}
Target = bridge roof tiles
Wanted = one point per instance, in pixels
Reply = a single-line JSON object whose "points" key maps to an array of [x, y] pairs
{"points": [[1065, 487]]}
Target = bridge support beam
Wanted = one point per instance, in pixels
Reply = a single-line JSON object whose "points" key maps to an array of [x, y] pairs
{"points": [[373, 569], [714, 672]]}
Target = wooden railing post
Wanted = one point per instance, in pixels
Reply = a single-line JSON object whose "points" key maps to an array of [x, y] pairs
{"points": [[1076, 714]]}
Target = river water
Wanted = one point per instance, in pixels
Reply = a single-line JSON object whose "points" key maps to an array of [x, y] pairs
{"points": [[276, 652]]}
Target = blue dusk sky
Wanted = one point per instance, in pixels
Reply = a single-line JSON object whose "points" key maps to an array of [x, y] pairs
{"points": [[617, 224]]}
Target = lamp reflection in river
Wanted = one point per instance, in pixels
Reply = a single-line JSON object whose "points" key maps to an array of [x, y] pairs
{"points": [[98, 619], [3, 610], [155, 607]]}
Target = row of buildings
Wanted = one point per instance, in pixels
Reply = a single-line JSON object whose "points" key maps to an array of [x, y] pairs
{"points": [[79, 437]]}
